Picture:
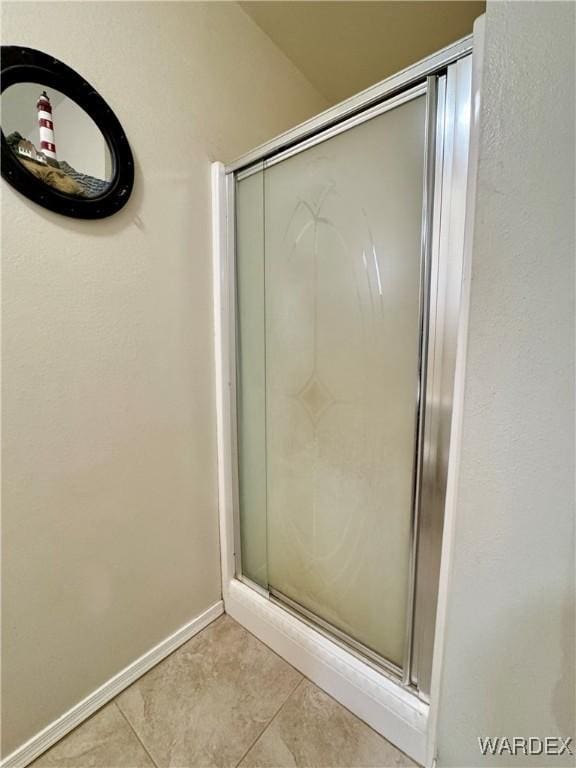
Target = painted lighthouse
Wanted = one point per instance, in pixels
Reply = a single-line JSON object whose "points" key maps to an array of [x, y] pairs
{"points": [[47, 141]]}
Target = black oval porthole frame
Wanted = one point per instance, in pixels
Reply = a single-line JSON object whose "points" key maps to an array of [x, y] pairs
{"points": [[27, 65]]}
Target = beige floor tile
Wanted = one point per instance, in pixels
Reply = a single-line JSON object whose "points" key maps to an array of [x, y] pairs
{"points": [[314, 731], [207, 702], [104, 741]]}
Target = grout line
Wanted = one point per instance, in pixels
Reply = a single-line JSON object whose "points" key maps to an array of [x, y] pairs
{"points": [[135, 732], [268, 647], [305, 678], [274, 716]]}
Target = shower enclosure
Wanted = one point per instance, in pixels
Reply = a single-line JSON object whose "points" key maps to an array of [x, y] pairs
{"points": [[329, 318], [340, 294]]}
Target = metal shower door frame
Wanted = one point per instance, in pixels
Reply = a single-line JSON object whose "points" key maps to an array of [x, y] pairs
{"points": [[445, 78]]}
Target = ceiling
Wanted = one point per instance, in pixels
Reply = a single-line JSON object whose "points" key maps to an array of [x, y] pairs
{"points": [[343, 47]]}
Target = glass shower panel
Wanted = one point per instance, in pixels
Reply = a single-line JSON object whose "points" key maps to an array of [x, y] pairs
{"points": [[250, 379], [343, 222]]}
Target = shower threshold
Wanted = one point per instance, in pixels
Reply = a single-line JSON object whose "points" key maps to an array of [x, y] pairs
{"points": [[363, 652]]}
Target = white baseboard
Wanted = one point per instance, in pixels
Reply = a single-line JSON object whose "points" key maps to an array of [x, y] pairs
{"points": [[69, 720], [391, 710]]}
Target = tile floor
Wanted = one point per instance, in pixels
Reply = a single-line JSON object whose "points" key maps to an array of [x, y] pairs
{"points": [[223, 699]]}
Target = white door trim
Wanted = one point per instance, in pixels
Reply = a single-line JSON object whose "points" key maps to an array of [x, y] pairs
{"points": [[458, 398]]}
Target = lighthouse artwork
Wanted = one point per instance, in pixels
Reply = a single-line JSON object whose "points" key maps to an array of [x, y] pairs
{"points": [[36, 149], [47, 143]]}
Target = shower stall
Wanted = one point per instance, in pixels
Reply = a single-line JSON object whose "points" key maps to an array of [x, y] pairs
{"points": [[338, 272]]}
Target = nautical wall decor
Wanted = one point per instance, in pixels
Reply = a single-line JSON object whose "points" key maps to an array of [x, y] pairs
{"points": [[62, 146]]}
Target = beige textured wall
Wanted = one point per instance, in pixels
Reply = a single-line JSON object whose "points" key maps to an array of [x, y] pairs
{"points": [[110, 538], [509, 654]]}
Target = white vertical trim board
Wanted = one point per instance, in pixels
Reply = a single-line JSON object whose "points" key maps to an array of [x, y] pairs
{"points": [[111, 688], [458, 397], [221, 269]]}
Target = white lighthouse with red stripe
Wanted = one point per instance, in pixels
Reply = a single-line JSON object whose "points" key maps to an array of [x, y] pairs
{"points": [[47, 141]]}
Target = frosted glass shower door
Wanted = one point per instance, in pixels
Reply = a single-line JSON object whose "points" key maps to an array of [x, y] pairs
{"points": [[329, 314]]}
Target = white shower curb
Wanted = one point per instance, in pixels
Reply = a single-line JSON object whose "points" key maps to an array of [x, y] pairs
{"points": [[393, 711]]}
